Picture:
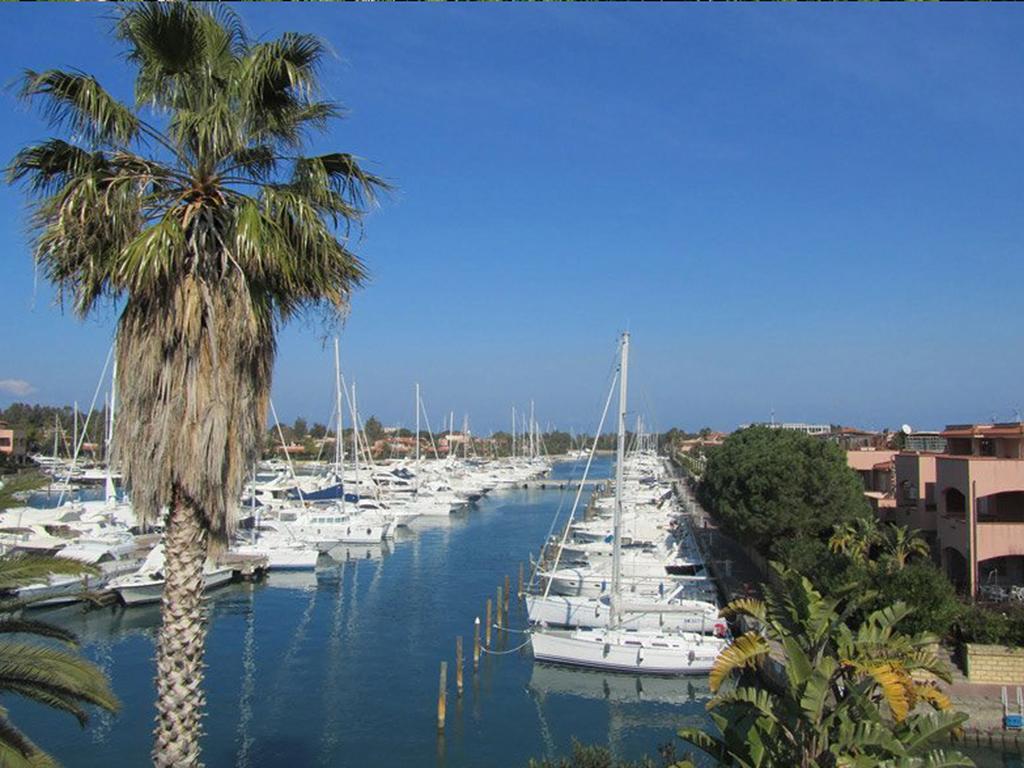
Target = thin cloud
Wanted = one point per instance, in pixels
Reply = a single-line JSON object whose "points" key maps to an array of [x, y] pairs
{"points": [[16, 387]]}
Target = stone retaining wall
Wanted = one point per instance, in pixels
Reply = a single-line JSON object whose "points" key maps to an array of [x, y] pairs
{"points": [[994, 664]]}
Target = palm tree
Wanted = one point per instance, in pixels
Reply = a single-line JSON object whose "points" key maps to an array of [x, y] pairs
{"points": [[814, 692], [210, 228], [49, 674], [900, 544], [855, 538]]}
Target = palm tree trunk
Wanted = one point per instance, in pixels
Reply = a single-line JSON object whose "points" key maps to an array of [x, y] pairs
{"points": [[179, 660]]}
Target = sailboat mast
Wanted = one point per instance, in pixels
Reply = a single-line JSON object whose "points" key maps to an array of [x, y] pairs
{"points": [[339, 436], [355, 435], [620, 456], [533, 447], [417, 433], [513, 431], [110, 492]]}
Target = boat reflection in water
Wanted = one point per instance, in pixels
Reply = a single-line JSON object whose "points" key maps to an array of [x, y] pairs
{"points": [[345, 553], [638, 706], [299, 580], [104, 625], [617, 688]]}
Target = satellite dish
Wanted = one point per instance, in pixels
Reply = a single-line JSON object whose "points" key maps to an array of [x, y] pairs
{"points": [[905, 429]]}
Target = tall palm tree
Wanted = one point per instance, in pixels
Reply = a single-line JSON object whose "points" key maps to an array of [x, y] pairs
{"points": [[197, 211], [50, 674], [832, 695], [901, 544]]}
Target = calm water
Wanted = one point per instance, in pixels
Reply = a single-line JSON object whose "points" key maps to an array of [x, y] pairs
{"points": [[341, 667]]}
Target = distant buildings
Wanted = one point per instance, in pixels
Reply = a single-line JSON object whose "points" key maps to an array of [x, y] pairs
{"points": [[963, 488], [876, 471], [13, 444], [815, 430]]}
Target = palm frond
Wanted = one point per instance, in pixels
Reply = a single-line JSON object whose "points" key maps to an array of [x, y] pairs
{"points": [[78, 102], [17, 750], [742, 652], [745, 606], [54, 677], [14, 625], [20, 570]]}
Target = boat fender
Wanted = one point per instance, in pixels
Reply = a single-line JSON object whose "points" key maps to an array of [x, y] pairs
{"points": [[607, 648], [720, 629], [691, 656]]}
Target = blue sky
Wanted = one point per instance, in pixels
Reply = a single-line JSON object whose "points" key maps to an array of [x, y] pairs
{"points": [[815, 210]]}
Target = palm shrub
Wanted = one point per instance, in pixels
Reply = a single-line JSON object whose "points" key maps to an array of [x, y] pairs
{"points": [[812, 691], [49, 672], [902, 546], [199, 213]]}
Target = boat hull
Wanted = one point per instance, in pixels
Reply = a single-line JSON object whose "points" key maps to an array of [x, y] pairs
{"points": [[563, 611], [569, 648], [151, 591]]}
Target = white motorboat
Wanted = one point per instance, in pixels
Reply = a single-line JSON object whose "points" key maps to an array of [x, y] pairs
{"points": [[327, 527], [146, 585]]}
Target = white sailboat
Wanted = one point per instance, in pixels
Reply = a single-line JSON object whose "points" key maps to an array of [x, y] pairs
{"points": [[616, 647]]}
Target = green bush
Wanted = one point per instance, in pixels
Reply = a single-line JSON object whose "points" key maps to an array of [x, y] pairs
{"points": [[586, 756], [926, 590], [1002, 625]]}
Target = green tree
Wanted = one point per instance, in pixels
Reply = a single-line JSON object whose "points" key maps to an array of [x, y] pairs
{"points": [[373, 429], [49, 673], [923, 587], [833, 695], [769, 486], [318, 431], [300, 429], [198, 212]]}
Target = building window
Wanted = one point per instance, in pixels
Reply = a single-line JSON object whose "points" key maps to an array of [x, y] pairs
{"points": [[956, 504]]}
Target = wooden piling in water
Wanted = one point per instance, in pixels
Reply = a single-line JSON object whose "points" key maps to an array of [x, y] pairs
{"points": [[520, 581], [458, 664], [442, 695], [498, 608], [487, 626], [476, 644], [508, 592]]}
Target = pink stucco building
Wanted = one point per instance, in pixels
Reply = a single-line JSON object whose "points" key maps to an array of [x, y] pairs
{"points": [[12, 442], [968, 502]]}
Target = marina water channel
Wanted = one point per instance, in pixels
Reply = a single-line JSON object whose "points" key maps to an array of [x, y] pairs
{"points": [[340, 667]]}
